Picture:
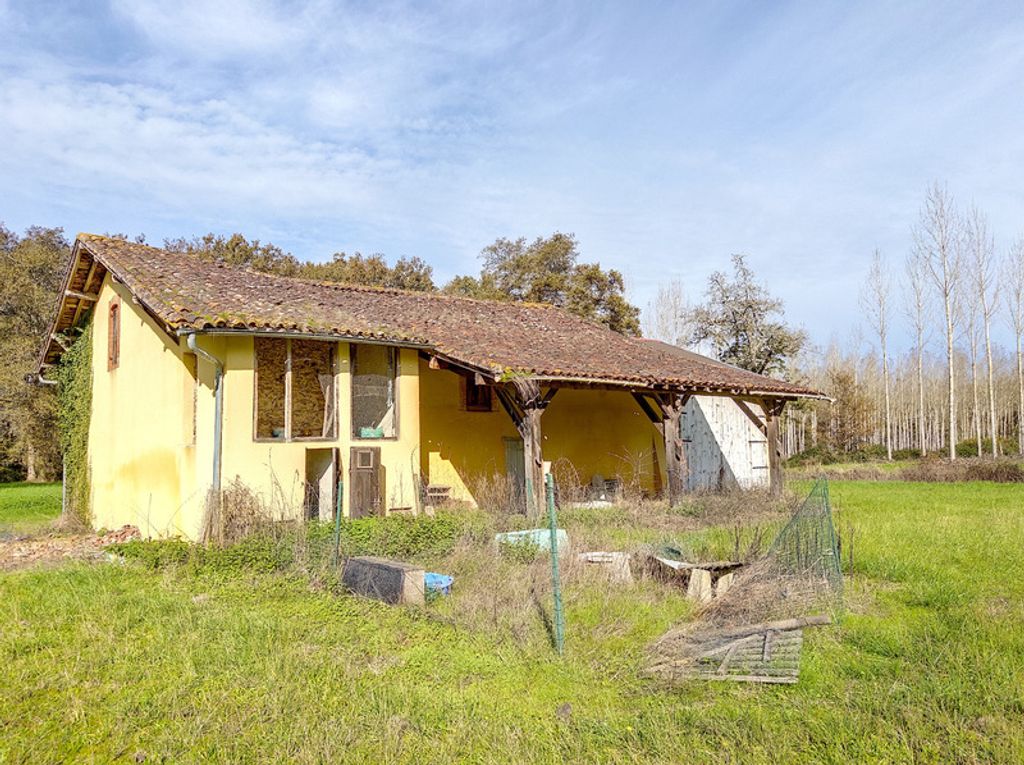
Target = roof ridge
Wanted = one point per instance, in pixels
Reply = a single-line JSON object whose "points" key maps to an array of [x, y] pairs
{"points": [[351, 286]]}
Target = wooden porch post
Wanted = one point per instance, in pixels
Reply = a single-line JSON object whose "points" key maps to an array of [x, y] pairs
{"points": [[675, 456], [773, 410], [525, 404]]}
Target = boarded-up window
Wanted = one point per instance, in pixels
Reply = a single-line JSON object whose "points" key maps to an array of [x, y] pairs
{"points": [[294, 389], [271, 371], [373, 391], [312, 365], [114, 335]]}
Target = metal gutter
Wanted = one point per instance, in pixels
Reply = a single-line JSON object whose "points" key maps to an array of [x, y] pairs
{"points": [[218, 406]]}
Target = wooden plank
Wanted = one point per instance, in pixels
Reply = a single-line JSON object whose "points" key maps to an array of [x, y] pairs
{"points": [[780, 625], [85, 288], [90, 296], [783, 680]]}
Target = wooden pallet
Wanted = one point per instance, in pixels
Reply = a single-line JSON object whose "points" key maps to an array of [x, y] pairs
{"points": [[759, 653]]}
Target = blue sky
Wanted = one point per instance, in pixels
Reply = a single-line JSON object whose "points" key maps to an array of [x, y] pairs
{"points": [[666, 136]]}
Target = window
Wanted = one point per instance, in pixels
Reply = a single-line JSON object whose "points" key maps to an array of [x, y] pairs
{"points": [[114, 335], [294, 389], [271, 371], [312, 388], [478, 397], [373, 391]]}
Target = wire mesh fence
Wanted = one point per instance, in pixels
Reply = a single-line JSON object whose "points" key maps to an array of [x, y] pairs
{"points": [[808, 545], [800, 574]]}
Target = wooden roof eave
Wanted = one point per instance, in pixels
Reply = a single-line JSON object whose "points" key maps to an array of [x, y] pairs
{"points": [[655, 386], [83, 296], [54, 326]]}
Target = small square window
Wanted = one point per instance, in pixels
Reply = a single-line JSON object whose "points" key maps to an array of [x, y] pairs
{"points": [[478, 397]]}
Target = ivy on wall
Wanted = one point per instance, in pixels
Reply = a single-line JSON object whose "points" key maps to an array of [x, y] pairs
{"points": [[74, 408]]}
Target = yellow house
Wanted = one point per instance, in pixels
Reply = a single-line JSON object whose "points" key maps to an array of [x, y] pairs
{"points": [[206, 374]]}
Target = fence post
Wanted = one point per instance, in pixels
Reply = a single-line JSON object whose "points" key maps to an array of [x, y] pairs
{"points": [[337, 519], [556, 581]]}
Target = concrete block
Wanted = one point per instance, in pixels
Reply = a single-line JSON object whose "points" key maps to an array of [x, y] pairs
{"points": [[723, 584], [699, 588], [387, 580], [615, 563]]}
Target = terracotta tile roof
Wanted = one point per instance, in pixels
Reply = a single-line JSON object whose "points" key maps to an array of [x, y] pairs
{"points": [[496, 338]]}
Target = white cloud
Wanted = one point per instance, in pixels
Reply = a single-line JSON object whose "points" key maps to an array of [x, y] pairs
{"points": [[214, 30], [666, 139]]}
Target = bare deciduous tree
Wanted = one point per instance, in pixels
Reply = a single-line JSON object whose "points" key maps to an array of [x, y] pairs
{"points": [[1013, 277], [666, 317], [972, 330], [938, 239], [984, 296], [874, 299], [916, 309]]}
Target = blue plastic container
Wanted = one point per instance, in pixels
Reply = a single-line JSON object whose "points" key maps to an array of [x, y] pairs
{"points": [[439, 583]]}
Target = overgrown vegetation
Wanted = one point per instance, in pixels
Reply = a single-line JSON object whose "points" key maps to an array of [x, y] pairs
{"points": [[74, 393], [309, 548], [864, 465], [251, 666]]}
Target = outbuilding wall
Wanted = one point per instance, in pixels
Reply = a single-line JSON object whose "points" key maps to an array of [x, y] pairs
{"points": [[724, 449]]}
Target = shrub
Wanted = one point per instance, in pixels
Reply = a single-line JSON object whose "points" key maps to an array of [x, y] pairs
{"points": [[816, 455], [262, 554], [934, 470], [311, 546], [999, 471], [969, 447], [11, 472]]}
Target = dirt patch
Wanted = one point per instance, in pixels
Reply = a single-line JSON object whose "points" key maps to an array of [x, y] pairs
{"points": [[52, 550]]}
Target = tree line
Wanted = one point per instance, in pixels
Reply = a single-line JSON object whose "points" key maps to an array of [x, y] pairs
{"points": [[546, 269], [953, 390]]}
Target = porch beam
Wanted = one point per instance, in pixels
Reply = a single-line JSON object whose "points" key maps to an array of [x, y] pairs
{"points": [[645, 405], [758, 422]]}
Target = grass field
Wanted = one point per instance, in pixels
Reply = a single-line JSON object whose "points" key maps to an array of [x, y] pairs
{"points": [[28, 507], [102, 663]]}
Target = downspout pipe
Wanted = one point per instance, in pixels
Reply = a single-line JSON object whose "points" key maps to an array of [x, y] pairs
{"points": [[218, 405]]}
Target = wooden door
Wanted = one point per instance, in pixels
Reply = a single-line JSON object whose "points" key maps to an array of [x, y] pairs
{"points": [[367, 481], [515, 468]]}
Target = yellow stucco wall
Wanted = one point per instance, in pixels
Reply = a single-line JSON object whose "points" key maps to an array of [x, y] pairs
{"points": [[595, 432], [600, 432], [148, 470], [142, 461], [277, 470], [459, 448], [151, 467]]}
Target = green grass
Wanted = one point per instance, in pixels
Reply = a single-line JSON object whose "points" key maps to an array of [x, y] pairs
{"points": [[104, 662], [28, 507]]}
